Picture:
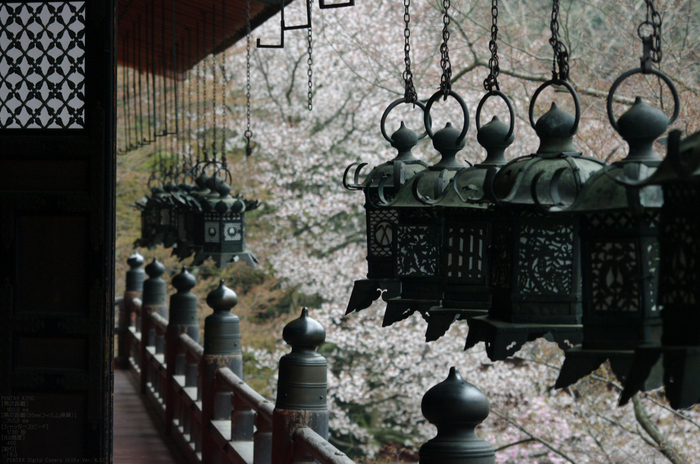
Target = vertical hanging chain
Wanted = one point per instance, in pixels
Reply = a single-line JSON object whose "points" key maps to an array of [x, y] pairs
{"points": [[446, 78], [213, 82], [410, 94], [224, 82], [310, 60], [491, 82], [248, 134], [652, 39], [561, 54]]}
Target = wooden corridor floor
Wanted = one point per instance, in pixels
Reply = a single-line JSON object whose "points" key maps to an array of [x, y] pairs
{"points": [[138, 431]]}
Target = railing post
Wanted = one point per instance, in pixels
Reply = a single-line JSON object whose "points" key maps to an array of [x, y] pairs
{"points": [[154, 300], [456, 407], [134, 287], [183, 319], [301, 390], [222, 348]]}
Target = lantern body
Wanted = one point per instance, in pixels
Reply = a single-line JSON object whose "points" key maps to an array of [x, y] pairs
{"points": [[381, 220], [536, 273]]}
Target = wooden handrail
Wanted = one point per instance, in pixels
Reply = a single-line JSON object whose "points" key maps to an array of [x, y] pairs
{"points": [[192, 346], [244, 392], [187, 427], [319, 447]]}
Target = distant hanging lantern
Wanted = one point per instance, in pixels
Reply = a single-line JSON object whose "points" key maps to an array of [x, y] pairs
{"points": [[620, 247], [218, 222], [418, 240], [159, 219], [381, 221]]}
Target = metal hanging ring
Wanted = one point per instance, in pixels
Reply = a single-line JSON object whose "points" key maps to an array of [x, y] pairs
{"points": [[427, 120], [497, 93], [393, 105], [664, 77], [571, 90]]}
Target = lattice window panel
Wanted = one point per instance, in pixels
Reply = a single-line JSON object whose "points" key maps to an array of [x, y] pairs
{"points": [[380, 234], [465, 252], [418, 250], [680, 281], [615, 282], [42, 58], [501, 256], [544, 260]]}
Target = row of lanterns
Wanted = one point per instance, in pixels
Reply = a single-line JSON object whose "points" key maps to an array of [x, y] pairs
{"points": [[201, 219], [601, 259]]}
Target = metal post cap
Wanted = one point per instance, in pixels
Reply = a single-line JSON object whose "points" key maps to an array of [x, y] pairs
{"points": [[304, 332], [456, 407], [184, 281], [155, 269], [135, 275], [222, 298], [222, 332], [135, 260]]}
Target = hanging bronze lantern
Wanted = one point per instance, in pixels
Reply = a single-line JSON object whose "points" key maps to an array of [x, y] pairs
{"points": [[381, 221], [419, 229], [620, 248], [679, 279], [536, 260], [219, 226], [468, 210]]}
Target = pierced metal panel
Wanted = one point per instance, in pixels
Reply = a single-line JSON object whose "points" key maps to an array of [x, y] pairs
{"points": [[544, 263], [615, 282], [680, 281], [381, 231], [465, 252], [501, 255], [42, 55], [418, 251]]}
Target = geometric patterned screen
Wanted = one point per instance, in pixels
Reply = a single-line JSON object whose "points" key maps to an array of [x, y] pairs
{"points": [[42, 58]]}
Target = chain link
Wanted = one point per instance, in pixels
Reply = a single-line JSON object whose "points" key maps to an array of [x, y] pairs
{"points": [[561, 54], [310, 60], [248, 134], [446, 78], [410, 95], [653, 21], [491, 81]]}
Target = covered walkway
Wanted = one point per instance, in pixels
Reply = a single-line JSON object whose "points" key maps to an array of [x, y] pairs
{"points": [[138, 431]]}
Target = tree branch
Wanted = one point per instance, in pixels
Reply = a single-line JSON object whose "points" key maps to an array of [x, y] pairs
{"points": [[535, 437], [663, 445]]}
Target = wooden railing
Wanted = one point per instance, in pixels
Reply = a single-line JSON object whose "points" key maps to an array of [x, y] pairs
{"points": [[208, 410]]}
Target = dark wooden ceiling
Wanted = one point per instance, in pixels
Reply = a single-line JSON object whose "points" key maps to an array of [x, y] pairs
{"points": [[149, 28]]}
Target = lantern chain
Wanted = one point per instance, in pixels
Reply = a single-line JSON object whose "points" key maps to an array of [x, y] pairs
{"points": [[561, 54], [213, 83], [652, 41], [310, 60], [248, 134], [491, 81], [410, 95], [445, 79]]}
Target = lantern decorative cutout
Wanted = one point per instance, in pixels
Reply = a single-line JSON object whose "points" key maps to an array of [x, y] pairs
{"points": [[419, 229], [219, 226], [536, 263], [468, 209], [620, 249], [679, 279], [381, 221]]}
